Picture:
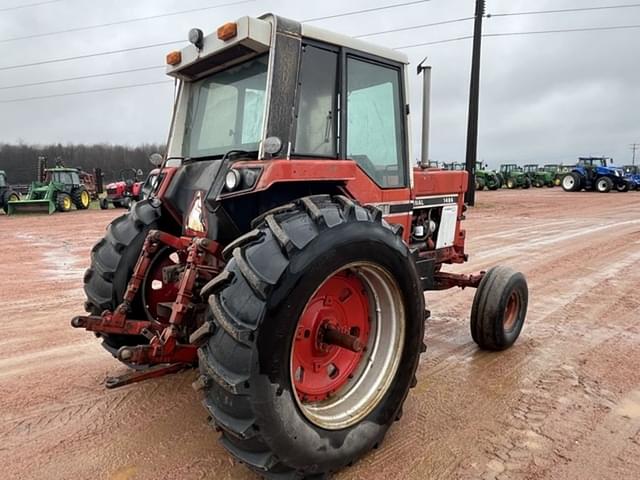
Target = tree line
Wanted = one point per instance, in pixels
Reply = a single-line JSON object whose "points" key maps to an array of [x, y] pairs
{"points": [[20, 162]]}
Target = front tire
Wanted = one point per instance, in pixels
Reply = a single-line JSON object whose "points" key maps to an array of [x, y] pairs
{"points": [[622, 187], [499, 308], [268, 307], [604, 184], [63, 202], [9, 196]]}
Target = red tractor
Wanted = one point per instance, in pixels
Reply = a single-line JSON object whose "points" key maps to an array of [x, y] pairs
{"points": [[123, 193], [287, 246]]}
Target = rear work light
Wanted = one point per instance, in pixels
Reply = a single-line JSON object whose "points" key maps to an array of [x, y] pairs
{"points": [[227, 31]]}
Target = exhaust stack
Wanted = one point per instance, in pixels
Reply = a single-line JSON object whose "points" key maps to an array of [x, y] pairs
{"points": [[426, 111]]}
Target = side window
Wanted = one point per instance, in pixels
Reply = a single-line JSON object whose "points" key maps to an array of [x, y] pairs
{"points": [[375, 137], [317, 116]]}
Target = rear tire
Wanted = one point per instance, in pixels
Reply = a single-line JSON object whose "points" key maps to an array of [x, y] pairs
{"points": [[246, 353], [572, 182], [81, 198], [113, 259], [499, 308]]}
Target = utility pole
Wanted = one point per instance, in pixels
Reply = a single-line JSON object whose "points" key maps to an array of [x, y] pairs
{"points": [[634, 147], [474, 96]]}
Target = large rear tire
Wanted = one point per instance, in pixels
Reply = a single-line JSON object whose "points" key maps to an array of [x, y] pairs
{"points": [[81, 198], [286, 281], [572, 182], [113, 259]]}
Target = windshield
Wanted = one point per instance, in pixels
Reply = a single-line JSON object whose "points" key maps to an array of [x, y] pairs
{"points": [[226, 110]]}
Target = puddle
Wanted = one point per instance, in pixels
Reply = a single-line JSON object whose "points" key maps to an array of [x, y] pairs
{"points": [[58, 261], [629, 406]]}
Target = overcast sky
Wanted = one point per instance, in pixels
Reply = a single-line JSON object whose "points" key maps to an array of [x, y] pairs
{"points": [[544, 98]]}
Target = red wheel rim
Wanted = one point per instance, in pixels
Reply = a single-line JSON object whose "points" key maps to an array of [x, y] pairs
{"points": [[155, 289], [511, 312], [320, 368]]}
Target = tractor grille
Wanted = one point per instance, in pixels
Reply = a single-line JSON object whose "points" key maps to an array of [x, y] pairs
{"points": [[112, 191]]}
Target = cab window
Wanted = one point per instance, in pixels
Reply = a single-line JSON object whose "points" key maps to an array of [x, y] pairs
{"points": [[317, 104], [374, 121]]}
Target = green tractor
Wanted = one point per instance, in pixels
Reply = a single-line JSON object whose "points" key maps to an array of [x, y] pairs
{"points": [[539, 176], [557, 171], [513, 176], [486, 178], [7, 193], [59, 189]]}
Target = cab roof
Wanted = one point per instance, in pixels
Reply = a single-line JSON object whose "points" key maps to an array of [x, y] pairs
{"points": [[255, 36]]}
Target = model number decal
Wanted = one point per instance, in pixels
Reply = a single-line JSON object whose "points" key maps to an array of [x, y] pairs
{"points": [[434, 201]]}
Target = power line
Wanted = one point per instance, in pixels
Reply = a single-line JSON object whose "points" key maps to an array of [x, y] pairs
{"points": [[78, 57], [424, 25], [564, 10], [89, 55], [68, 79], [17, 7], [508, 34], [366, 10], [120, 22], [122, 87]]}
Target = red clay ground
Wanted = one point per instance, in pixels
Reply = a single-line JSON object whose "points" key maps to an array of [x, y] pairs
{"points": [[563, 403]]}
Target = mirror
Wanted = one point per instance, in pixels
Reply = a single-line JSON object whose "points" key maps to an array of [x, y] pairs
{"points": [[156, 159]]}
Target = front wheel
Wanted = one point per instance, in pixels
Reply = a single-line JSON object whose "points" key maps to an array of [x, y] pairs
{"points": [[317, 326], [9, 196], [604, 185], [499, 308], [63, 202], [622, 187]]}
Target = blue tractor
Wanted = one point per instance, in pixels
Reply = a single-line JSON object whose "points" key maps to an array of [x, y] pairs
{"points": [[595, 173], [632, 174]]}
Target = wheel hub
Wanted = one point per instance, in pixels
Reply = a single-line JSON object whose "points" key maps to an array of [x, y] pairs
{"points": [[330, 338], [156, 290]]}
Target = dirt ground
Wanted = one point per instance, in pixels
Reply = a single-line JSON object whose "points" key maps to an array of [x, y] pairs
{"points": [[563, 403]]}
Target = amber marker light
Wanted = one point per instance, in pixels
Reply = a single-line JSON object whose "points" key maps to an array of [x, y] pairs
{"points": [[174, 58], [228, 31]]}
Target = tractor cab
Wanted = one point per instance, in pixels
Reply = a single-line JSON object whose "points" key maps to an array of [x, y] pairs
{"points": [[510, 168], [454, 166], [592, 162], [66, 178]]}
